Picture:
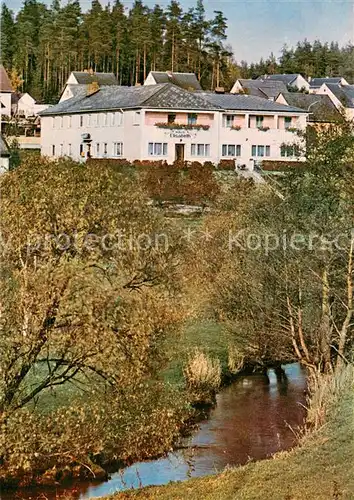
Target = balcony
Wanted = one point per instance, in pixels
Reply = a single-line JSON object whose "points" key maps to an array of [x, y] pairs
{"points": [[182, 126]]}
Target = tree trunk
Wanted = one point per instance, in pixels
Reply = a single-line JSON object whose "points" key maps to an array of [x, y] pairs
{"points": [[144, 61], [350, 311]]}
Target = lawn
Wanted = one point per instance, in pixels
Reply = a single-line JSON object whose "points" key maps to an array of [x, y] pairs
{"points": [[207, 335]]}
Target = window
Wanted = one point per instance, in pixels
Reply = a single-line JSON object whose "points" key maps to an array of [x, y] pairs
{"points": [[200, 150], [289, 151], [157, 149], [192, 119], [228, 121], [104, 119], [81, 150], [88, 124], [259, 121], [171, 118], [110, 119], [53, 150], [118, 149], [93, 120], [69, 149], [260, 150], [97, 149], [81, 121], [118, 118], [287, 121], [231, 150], [61, 121], [69, 121], [137, 118], [104, 148], [53, 121], [61, 149]]}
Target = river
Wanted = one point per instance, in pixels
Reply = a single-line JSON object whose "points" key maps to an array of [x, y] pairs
{"points": [[254, 417]]}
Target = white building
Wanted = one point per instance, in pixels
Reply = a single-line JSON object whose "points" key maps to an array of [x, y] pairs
{"points": [[5, 93], [295, 81], [26, 106], [342, 97], [268, 89], [165, 122], [4, 155], [79, 80], [187, 81], [316, 83]]}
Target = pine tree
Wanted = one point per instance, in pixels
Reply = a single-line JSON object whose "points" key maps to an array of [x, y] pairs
{"points": [[8, 34], [218, 37], [157, 28], [28, 24], [173, 35], [201, 27], [119, 28]]}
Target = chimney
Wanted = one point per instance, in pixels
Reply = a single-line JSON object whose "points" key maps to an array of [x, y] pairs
{"points": [[92, 88]]}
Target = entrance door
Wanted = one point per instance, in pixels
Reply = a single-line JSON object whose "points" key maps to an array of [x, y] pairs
{"points": [[179, 152]]}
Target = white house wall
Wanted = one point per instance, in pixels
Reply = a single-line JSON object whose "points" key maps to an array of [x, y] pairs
{"points": [[237, 88], [5, 98], [150, 80], [301, 83], [137, 131], [4, 164], [349, 112], [27, 106]]}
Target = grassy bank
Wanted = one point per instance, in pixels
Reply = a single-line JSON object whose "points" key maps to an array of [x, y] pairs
{"points": [[207, 335], [322, 468]]}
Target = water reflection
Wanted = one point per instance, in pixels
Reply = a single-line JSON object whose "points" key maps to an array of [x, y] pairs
{"points": [[253, 419]]}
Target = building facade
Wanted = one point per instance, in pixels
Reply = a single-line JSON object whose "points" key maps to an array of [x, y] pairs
{"points": [[342, 96], [165, 122], [5, 93]]}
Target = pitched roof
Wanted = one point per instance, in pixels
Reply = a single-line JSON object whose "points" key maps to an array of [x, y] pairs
{"points": [[187, 81], [344, 93], [4, 148], [318, 82], [84, 77], [285, 78], [242, 102], [5, 84], [160, 96], [320, 107], [263, 88]]}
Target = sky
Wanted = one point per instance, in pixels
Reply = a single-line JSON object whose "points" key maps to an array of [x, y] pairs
{"points": [[258, 27]]}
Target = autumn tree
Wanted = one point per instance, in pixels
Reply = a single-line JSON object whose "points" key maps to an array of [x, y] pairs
{"points": [[278, 266], [89, 291]]}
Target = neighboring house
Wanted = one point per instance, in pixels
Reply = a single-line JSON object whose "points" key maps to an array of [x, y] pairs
{"points": [[342, 96], [5, 93], [25, 105], [165, 122], [268, 89], [316, 83], [4, 155], [295, 81], [187, 81], [320, 107], [79, 80]]}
